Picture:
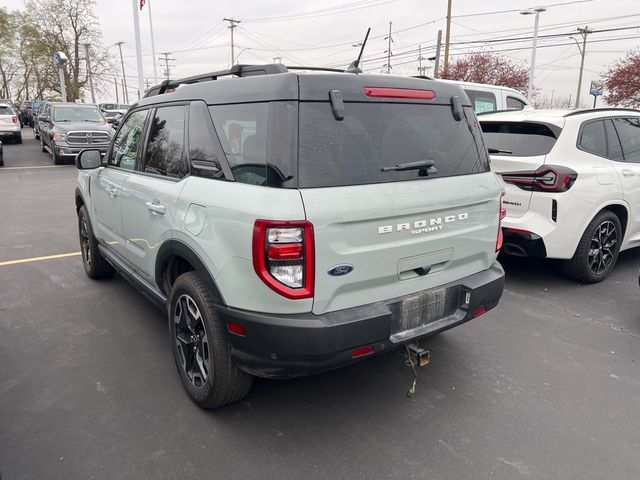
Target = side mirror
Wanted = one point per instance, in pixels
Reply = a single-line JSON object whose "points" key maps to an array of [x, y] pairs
{"points": [[89, 159]]}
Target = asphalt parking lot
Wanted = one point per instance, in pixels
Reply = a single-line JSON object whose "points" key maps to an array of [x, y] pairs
{"points": [[545, 386]]}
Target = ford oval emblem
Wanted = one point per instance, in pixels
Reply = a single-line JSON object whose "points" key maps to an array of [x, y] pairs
{"points": [[340, 270]]}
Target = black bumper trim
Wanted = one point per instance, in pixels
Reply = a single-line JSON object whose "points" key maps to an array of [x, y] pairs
{"points": [[285, 346], [523, 244]]}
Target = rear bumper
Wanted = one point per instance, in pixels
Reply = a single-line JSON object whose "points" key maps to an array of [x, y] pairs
{"points": [[285, 346], [523, 244]]}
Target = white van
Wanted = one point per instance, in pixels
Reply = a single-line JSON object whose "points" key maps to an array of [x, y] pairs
{"points": [[490, 98]]}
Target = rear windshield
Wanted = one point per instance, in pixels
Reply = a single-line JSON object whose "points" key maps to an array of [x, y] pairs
{"points": [[4, 110], [373, 136], [302, 145], [520, 139]]}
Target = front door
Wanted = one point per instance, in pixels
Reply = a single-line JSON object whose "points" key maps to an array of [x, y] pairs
{"points": [[151, 193], [107, 186]]}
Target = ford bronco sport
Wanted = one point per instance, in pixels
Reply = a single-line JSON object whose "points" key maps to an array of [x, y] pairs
{"points": [[291, 222]]}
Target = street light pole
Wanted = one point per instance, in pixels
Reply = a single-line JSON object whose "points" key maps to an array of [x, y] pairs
{"points": [[537, 11]]}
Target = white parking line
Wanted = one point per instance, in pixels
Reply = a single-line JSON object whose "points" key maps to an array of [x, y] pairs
{"points": [[35, 166], [38, 259]]}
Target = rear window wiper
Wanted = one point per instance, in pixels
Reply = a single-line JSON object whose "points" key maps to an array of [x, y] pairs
{"points": [[497, 150], [401, 167]]}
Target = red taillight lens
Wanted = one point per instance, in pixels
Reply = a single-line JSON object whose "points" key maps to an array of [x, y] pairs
{"points": [[283, 256], [14, 119], [362, 351], [411, 93], [503, 213], [547, 178]]}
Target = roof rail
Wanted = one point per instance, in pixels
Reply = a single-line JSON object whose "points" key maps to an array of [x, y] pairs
{"points": [[592, 110], [424, 77], [319, 69], [237, 70]]}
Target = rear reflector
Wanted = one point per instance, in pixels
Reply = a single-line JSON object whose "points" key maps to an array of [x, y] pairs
{"points": [[399, 93], [362, 351], [236, 329], [479, 311], [285, 251]]}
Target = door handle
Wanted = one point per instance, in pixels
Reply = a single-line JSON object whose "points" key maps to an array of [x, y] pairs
{"points": [[156, 208], [628, 173]]}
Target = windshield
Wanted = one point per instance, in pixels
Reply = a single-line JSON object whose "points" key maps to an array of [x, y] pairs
{"points": [[77, 114], [520, 139]]}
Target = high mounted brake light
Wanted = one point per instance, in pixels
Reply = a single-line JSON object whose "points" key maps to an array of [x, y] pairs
{"points": [[410, 93], [283, 257], [547, 178]]}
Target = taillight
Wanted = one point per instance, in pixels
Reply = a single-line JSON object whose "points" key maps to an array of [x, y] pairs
{"points": [[503, 213], [547, 178], [14, 119], [411, 93], [283, 256]]}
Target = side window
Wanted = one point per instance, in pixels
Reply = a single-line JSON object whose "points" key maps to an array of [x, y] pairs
{"points": [[629, 132], [204, 149], [482, 101], [165, 146], [592, 138], [125, 145], [613, 142], [259, 141], [514, 104]]}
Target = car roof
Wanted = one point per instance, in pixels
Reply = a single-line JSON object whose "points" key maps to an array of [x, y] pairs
{"points": [[295, 85], [484, 85], [72, 104]]}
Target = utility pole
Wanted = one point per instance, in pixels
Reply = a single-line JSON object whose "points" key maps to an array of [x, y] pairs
{"points": [[421, 69], [125, 93], [584, 32], [136, 31], [232, 25], [93, 95], [436, 66], [447, 39], [115, 82], [389, 54], [167, 68]]}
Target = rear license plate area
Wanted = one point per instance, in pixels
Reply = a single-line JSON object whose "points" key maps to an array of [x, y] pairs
{"points": [[424, 308]]}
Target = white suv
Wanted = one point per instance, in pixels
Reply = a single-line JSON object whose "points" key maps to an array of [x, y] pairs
{"points": [[572, 184]]}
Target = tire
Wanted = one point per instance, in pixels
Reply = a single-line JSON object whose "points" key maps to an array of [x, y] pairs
{"points": [[42, 147], [18, 138], [213, 379], [95, 266], [598, 250], [57, 160]]}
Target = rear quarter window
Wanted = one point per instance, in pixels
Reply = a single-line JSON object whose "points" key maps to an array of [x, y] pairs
{"points": [[520, 139], [482, 101]]}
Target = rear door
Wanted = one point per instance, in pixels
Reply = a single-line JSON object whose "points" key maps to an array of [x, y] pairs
{"points": [[517, 147], [150, 195], [400, 232], [628, 131]]}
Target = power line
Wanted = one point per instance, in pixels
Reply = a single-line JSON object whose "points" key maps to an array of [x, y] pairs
{"points": [[335, 10]]}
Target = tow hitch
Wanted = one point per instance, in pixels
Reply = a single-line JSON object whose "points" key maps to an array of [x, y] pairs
{"points": [[414, 355]]}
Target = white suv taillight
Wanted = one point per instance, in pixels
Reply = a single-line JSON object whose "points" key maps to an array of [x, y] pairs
{"points": [[283, 256], [503, 213]]}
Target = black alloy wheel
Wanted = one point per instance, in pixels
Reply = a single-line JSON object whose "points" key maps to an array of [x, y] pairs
{"points": [[603, 247], [85, 247], [191, 341]]}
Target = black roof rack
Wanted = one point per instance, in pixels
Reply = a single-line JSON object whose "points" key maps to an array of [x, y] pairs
{"points": [[424, 77], [237, 70], [591, 110], [319, 69]]}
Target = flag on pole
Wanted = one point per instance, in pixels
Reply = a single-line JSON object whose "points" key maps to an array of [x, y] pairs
{"points": [[141, 4]]}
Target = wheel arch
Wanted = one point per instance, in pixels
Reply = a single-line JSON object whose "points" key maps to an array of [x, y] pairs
{"points": [[79, 199], [175, 257], [620, 208]]}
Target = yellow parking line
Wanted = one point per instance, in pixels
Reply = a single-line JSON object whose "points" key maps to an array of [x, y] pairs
{"points": [[39, 259], [34, 166]]}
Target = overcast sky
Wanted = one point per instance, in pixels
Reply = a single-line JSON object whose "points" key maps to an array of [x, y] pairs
{"points": [[322, 33]]}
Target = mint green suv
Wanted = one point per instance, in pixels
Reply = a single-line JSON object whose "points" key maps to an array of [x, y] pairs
{"points": [[291, 222]]}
